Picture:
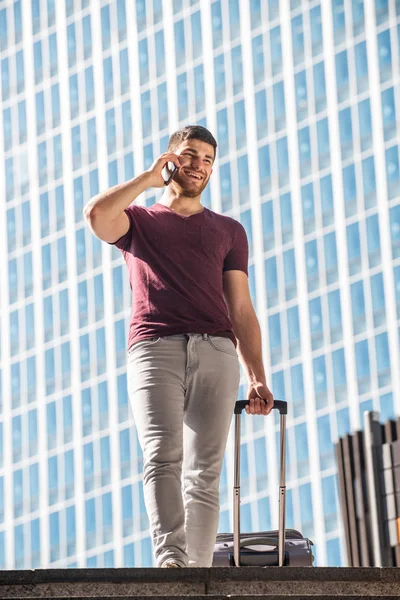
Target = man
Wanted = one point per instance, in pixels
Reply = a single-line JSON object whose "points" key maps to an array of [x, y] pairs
{"points": [[191, 309]]}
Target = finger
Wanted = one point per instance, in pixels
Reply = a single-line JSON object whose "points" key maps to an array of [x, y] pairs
{"points": [[170, 157], [263, 406], [253, 402], [269, 406], [176, 160]]}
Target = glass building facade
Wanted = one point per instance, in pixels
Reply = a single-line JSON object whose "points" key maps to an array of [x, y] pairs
{"points": [[303, 97]]}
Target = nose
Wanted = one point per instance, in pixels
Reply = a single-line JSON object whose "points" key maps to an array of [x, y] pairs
{"points": [[195, 162]]}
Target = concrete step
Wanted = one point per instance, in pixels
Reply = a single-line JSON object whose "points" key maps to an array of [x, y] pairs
{"points": [[250, 583]]}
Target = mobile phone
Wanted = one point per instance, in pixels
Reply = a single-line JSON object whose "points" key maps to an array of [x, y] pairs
{"points": [[168, 172]]}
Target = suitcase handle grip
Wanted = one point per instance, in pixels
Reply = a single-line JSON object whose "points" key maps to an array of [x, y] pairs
{"points": [[259, 541], [280, 405]]}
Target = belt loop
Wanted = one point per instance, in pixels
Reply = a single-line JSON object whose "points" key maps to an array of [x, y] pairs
{"points": [[204, 336]]}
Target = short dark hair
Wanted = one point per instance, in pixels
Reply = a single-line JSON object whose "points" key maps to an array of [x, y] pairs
{"points": [[191, 132]]}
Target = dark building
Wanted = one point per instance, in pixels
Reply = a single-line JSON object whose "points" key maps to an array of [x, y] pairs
{"points": [[369, 481]]}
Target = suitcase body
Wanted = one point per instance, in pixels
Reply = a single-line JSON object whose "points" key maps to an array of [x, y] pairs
{"points": [[261, 550], [283, 547]]}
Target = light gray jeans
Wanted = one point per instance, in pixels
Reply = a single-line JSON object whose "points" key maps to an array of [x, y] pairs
{"points": [[183, 390]]}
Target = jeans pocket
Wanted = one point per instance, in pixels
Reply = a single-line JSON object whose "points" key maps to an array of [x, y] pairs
{"points": [[222, 344], [148, 343]]}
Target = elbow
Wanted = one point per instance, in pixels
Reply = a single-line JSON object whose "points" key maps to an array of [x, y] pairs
{"points": [[88, 210], [242, 313], [242, 319]]}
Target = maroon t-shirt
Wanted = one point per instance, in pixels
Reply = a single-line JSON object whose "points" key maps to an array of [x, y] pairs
{"points": [[175, 266]]}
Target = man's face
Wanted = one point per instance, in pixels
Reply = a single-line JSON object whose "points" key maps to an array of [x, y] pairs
{"points": [[196, 159]]}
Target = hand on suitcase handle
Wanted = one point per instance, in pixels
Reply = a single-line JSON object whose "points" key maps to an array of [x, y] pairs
{"points": [[280, 405]]}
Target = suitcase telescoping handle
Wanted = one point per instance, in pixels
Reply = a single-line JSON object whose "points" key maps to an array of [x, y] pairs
{"points": [[280, 405]]}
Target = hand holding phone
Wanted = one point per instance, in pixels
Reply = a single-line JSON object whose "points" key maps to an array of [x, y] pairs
{"points": [[168, 172], [163, 170]]}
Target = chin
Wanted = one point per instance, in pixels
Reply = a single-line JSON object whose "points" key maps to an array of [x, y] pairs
{"points": [[192, 193]]}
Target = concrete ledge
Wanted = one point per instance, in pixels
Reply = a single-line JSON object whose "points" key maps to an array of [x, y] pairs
{"points": [[235, 597], [213, 583], [124, 574]]}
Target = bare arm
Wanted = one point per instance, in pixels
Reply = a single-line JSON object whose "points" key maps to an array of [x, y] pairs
{"points": [[248, 334], [105, 212], [113, 201]]}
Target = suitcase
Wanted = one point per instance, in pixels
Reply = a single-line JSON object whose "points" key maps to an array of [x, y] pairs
{"points": [[266, 548]]}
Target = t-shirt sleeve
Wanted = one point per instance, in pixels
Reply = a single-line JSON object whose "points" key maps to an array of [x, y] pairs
{"points": [[238, 256], [124, 242]]}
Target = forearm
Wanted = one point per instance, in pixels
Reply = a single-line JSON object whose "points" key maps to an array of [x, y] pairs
{"points": [[248, 334], [113, 201]]}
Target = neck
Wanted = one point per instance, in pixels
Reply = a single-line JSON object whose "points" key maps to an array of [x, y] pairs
{"points": [[181, 204]]}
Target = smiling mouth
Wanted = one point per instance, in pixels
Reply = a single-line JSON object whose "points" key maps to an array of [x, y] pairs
{"points": [[192, 175]]}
